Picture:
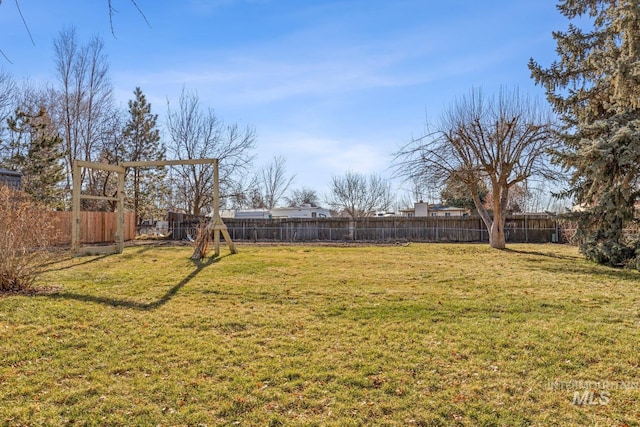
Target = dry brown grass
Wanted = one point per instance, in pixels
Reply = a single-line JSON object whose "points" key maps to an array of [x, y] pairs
{"points": [[424, 335]]}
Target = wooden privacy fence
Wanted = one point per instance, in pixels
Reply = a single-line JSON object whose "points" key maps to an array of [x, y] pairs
{"points": [[95, 227], [518, 229]]}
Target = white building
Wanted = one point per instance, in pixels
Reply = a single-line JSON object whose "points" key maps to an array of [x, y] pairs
{"points": [[245, 213], [447, 211], [294, 212], [423, 210], [300, 212]]}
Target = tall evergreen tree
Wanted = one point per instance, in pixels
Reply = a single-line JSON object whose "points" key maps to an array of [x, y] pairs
{"points": [[142, 143], [36, 151], [595, 88]]}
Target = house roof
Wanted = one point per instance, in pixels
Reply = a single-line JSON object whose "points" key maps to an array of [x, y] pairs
{"points": [[300, 208], [445, 208], [8, 172]]}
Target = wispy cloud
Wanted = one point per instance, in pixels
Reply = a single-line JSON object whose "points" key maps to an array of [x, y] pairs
{"points": [[328, 155], [319, 62], [255, 81]]}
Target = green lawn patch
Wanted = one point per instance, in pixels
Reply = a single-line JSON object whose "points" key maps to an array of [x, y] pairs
{"points": [[424, 335]]}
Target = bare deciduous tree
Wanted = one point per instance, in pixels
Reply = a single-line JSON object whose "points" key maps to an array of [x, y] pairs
{"points": [[303, 196], [359, 196], [244, 193], [196, 133], [503, 141], [274, 181], [7, 96], [83, 108]]}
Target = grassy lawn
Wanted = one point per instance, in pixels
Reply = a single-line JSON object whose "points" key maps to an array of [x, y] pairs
{"points": [[331, 336]]}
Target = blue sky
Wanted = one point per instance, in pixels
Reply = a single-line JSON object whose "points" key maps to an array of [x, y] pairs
{"points": [[332, 85]]}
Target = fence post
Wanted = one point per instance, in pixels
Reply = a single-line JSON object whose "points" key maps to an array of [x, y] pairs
{"points": [[395, 229], [423, 229]]}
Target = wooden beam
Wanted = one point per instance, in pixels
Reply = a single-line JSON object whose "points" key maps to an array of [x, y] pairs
{"points": [[216, 225], [227, 238], [216, 209], [157, 163], [75, 217], [97, 250], [120, 207], [99, 166]]}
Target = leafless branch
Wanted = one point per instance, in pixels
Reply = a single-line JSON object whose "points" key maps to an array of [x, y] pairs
{"points": [[24, 22], [5, 56], [275, 181], [141, 12], [358, 195], [504, 140], [194, 133], [113, 11]]}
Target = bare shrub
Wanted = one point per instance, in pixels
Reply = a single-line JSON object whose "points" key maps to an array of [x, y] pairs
{"points": [[201, 244], [25, 233], [568, 231]]}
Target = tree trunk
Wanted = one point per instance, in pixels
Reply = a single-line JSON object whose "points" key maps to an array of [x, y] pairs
{"points": [[486, 218], [496, 234], [497, 239], [495, 225]]}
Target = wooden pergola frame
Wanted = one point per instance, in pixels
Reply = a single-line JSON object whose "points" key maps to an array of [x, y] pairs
{"points": [[216, 225]]}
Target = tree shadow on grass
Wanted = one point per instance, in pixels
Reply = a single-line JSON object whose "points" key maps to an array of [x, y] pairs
{"points": [[577, 265], [51, 265], [543, 254], [123, 303]]}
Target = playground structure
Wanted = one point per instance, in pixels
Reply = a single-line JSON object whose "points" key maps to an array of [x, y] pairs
{"points": [[215, 226]]}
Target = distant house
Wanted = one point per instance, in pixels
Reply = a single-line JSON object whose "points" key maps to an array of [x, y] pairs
{"points": [[423, 210], [294, 212], [384, 214], [245, 213], [301, 212], [10, 178], [420, 209], [408, 213], [447, 211]]}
